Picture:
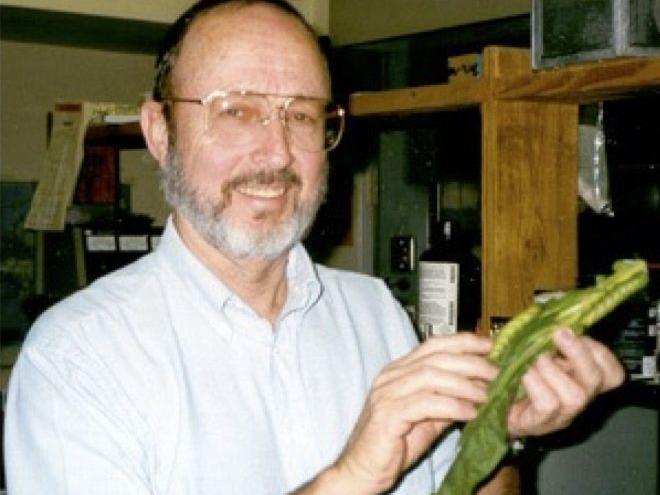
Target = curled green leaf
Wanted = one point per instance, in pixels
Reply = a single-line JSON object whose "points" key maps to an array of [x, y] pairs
{"points": [[485, 441]]}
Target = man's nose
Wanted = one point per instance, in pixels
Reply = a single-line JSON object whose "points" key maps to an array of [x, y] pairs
{"points": [[274, 146]]}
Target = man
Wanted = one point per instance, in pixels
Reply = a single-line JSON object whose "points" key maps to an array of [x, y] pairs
{"points": [[226, 362]]}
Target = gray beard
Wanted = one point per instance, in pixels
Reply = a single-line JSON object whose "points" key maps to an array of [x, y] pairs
{"points": [[220, 232]]}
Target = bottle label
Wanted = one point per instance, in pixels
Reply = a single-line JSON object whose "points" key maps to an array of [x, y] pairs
{"points": [[438, 298]]}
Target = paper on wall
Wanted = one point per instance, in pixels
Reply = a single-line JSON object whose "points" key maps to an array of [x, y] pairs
{"points": [[64, 157]]}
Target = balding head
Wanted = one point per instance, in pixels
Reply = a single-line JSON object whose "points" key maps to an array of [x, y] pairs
{"points": [[174, 39]]}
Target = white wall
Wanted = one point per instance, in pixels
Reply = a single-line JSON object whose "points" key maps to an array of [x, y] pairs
{"points": [[154, 10], [347, 21], [316, 11], [35, 76]]}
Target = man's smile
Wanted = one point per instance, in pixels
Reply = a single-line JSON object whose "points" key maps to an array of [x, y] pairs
{"points": [[263, 191]]}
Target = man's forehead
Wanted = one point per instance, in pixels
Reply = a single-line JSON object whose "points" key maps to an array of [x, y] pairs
{"points": [[255, 46]]}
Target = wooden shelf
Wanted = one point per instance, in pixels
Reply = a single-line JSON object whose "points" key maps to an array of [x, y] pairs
{"points": [[575, 84], [434, 98], [586, 82]]}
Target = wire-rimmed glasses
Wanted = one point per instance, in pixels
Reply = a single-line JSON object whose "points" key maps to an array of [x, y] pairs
{"points": [[240, 117]]}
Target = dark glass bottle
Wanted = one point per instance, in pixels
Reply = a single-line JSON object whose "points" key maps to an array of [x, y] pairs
{"points": [[439, 272], [449, 283]]}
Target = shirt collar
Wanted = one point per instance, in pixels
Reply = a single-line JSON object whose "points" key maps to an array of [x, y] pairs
{"points": [[303, 284]]}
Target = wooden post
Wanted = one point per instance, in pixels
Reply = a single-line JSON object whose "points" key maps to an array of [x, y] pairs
{"points": [[529, 193], [529, 204]]}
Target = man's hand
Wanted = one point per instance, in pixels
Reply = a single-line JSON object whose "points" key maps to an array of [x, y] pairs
{"points": [[559, 388], [412, 401], [417, 397]]}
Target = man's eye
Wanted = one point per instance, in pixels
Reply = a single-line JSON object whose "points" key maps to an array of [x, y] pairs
{"points": [[243, 113], [302, 118], [236, 112]]}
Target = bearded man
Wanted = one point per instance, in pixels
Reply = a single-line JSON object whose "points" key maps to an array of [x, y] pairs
{"points": [[226, 361]]}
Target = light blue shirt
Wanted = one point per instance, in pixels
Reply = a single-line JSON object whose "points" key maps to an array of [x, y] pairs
{"points": [[157, 379]]}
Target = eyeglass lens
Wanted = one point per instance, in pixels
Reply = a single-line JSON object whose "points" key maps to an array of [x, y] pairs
{"points": [[239, 119]]}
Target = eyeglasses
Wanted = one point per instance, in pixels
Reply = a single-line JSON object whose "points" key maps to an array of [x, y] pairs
{"points": [[240, 117]]}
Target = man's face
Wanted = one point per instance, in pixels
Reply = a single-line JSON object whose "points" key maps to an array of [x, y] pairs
{"points": [[251, 199]]}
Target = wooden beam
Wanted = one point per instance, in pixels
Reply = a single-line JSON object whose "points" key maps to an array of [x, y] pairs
{"points": [[422, 99], [585, 82], [581, 83]]}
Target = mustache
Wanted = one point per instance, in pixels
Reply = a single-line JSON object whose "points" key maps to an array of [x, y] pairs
{"points": [[265, 178]]}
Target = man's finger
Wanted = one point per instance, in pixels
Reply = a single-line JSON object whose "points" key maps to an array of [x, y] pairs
{"points": [[432, 380], [613, 373], [572, 395], [467, 365], [461, 342]]}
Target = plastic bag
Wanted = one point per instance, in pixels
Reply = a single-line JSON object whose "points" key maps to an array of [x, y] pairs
{"points": [[593, 182]]}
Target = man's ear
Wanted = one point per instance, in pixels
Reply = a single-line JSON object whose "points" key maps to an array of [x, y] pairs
{"points": [[154, 129]]}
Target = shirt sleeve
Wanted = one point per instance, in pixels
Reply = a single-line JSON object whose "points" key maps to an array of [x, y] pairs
{"points": [[70, 430]]}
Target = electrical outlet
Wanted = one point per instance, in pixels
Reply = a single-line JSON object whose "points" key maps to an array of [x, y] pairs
{"points": [[402, 253]]}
